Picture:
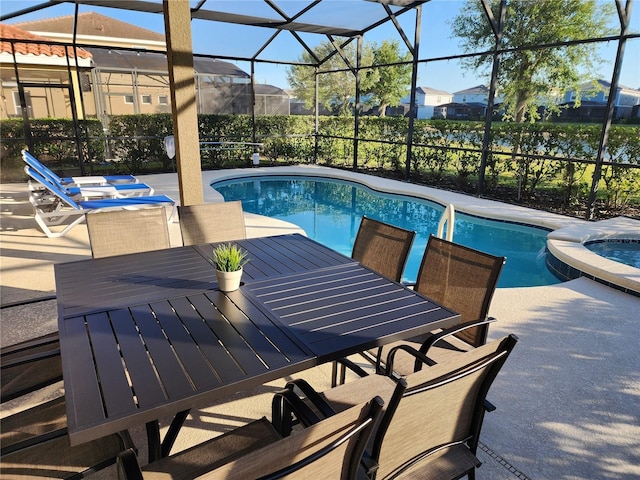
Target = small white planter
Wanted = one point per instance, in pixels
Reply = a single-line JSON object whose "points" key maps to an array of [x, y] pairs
{"points": [[229, 281]]}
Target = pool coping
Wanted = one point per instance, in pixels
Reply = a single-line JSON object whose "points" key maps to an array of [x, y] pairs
{"points": [[565, 242]]}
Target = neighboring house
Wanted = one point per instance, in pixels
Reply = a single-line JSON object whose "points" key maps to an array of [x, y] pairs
{"points": [[271, 100], [41, 64], [427, 99], [593, 102], [478, 95], [123, 81]]}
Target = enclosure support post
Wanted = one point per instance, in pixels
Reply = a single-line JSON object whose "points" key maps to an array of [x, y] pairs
{"points": [[316, 120], [177, 25], [413, 111], [253, 106], [498, 32], [625, 16], [356, 113]]}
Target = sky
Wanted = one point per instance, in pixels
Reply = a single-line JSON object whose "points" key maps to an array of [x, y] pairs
{"points": [[436, 41]]}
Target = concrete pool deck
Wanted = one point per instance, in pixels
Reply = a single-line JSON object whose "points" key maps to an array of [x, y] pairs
{"points": [[568, 399]]}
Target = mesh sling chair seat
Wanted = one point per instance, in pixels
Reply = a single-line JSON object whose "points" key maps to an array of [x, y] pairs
{"points": [[29, 365], [34, 441], [330, 449], [118, 232], [212, 222], [383, 247], [50, 455], [431, 425]]}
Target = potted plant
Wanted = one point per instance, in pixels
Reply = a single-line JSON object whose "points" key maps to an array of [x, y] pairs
{"points": [[229, 259]]}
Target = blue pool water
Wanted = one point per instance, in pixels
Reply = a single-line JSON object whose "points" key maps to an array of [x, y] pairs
{"points": [[330, 210], [627, 252]]}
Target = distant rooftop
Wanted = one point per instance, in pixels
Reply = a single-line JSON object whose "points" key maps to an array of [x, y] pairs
{"points": [[431, 91], [92, 24], [478, 89]]}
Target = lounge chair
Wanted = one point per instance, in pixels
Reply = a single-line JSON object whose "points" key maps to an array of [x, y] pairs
{"points": [[40, 167], [91, 187], [331, 448], [61, 207], [136, 231], [211, 222], [432, 420]]}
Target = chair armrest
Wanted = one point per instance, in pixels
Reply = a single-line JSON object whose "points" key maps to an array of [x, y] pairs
{"points": [[127, 465], [345, 364], [34, 440], [28, 367], [420, 358], [286, 403], [447, 332], [34, 357], [314, 397]]}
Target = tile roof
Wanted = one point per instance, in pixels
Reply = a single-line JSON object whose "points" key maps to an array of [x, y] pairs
{"points": [[44, 49]]}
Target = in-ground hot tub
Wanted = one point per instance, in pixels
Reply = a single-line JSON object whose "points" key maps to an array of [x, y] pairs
{"points": [[569, 256]]}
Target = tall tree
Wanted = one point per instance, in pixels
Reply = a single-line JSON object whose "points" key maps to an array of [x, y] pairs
{"points": [[535, 76], [388, 85], [336, 90]]}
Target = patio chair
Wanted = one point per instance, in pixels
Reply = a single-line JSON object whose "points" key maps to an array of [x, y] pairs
{"points": [[46, 172], [117, 232], [62, 209], [32, 449], [34, 441], [211, 222], [432, 420], [460, 278], [383, 247], [29, 366], [331, 448]]}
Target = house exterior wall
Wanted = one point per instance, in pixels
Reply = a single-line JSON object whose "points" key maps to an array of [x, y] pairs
{"points": [[462, 97], [595, 101], [51, 99], [426, 101]]}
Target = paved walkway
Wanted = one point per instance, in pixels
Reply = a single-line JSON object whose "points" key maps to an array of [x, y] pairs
{"points": [[568, 399]]}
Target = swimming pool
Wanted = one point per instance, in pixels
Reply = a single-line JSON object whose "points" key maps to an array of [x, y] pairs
{"points": [[329, 210], [623, 251]]}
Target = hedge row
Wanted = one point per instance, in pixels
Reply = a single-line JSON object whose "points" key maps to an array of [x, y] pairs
{"points": [[444, 152]]}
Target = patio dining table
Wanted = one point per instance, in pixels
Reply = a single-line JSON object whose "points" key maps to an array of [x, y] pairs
{"points": [[149, 335]]}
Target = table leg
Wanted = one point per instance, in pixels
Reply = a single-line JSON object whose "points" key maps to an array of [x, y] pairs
{"points": [[172, 433], [153, 441], [157, 448]]}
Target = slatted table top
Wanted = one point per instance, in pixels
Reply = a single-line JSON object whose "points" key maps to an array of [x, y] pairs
{"points": [[148, 335]]}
